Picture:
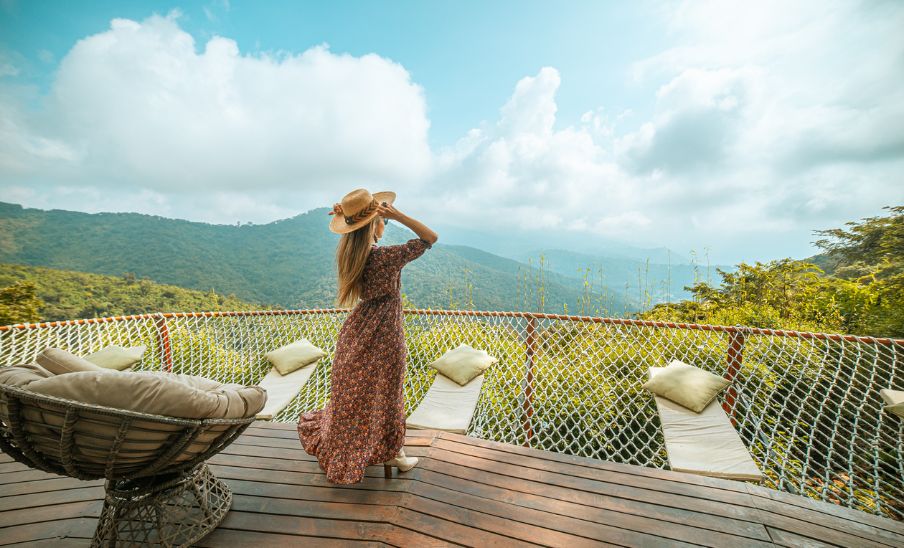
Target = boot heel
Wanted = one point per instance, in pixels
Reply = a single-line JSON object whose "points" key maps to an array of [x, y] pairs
{"points": [[387, 471]]}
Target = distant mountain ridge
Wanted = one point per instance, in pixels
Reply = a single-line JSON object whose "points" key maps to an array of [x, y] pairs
{"points": [[517, 246], [644, 276], [288, 263], [657, 282]]}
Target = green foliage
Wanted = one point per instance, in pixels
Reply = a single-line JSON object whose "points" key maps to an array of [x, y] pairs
{"points": [[19, 303], [288, 263], [32, 294], [870, 254], [864, 294]]}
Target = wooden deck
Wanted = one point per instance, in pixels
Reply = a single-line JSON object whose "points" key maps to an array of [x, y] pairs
{"points": [[464, 491]]}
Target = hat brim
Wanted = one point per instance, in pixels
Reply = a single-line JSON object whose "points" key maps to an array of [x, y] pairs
{"points": [[337, 223]]}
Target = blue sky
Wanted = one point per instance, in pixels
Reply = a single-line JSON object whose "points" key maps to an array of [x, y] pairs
{"points": [[468, 64], [737, 127]]}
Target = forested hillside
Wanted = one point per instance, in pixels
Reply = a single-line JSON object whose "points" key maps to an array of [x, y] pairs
{"points": [[855, 286], [288, 263], [32, 294]]}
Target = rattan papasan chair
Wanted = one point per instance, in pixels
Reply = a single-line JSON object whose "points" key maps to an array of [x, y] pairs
{"points": [[159, 490]]}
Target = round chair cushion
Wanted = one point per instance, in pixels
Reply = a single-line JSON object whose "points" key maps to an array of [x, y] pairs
{"points": [[156, 393], [20, 376]]}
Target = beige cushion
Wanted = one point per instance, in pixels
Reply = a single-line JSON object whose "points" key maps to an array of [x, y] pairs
{"points": [[282, 389], [60, 362], [703, 443], [894, 400], [686, 385], [294, 355], [447, 406], [20, 376], [463, 363], [157, 393], [117, 357]]}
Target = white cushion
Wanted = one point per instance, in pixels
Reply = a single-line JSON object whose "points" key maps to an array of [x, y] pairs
{"points": [[294, 355], [463, 363], [20, 376], [60, 362], [117, 357], [894, 400], [447, 406], [686, 385], [157, 393], [703, 443], [281, 389]]}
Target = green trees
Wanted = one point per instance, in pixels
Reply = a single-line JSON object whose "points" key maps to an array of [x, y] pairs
{"points": [[857, 286], [870, 256], [33, 294], [780, 294], [19, 303]]}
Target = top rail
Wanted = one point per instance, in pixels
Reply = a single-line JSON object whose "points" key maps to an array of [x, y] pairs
{"points": [[509, 314]]}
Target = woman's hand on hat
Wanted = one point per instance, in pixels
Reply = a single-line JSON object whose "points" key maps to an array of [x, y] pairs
{"points": [[337, 209], [388, 211]]}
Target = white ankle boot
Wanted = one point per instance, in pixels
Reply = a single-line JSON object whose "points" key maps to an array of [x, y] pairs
{"points": [[404, 463]]}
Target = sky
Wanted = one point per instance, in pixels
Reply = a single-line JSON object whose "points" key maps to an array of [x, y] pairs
{"points": [[735, 127]]}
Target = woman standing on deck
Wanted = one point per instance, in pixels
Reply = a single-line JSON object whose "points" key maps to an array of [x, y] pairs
{"points": [[363, 423]]}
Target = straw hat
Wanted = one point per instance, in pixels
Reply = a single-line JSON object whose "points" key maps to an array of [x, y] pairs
{"points": [[358, 208]]}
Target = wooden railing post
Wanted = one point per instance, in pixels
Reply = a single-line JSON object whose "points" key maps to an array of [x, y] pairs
{"points": [[529, 384], [163, 340], [734, 358]]}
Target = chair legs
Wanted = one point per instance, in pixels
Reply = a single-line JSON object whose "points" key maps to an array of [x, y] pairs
{"points": [[162, 511]]}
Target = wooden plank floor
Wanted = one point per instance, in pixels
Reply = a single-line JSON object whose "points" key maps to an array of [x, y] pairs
{"points": [[464, 491]]}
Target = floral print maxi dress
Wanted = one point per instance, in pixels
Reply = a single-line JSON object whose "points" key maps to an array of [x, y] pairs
{"points": [[363, 423]]}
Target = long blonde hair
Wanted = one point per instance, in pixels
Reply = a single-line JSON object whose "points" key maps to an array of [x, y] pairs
{"points": [[351, 254]]}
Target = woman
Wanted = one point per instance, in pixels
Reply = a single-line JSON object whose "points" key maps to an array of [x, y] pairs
{"points": [[363, 423]]}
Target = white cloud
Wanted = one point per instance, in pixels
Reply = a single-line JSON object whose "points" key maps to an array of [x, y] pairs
{"points": [[45, 56], [775, 119], [823, 79], [8, 64], [700, 117], [24, 152], [137, 105], [210, 10], [767, 126], [770, 121], [8, 69], [522, 173]]}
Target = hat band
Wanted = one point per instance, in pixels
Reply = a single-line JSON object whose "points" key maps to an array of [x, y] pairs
{"points": [[362, 214]]}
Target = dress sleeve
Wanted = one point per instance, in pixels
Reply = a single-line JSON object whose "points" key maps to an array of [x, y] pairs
{"points": [[402, 254]]}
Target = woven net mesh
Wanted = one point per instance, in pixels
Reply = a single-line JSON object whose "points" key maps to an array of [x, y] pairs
{"points": [[806, 405]]}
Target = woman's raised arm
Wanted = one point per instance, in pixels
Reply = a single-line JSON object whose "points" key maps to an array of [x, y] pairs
{"points": [[388, 211]]}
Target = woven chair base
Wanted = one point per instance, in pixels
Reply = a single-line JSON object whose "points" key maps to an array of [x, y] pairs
{"points": [[162, 511]]}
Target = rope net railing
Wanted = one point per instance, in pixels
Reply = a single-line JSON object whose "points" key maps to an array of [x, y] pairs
{"points": [[807, 405]]}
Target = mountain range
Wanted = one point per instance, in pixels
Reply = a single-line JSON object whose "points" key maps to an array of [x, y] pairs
{"points": [[287, 263], [290, 263]]}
